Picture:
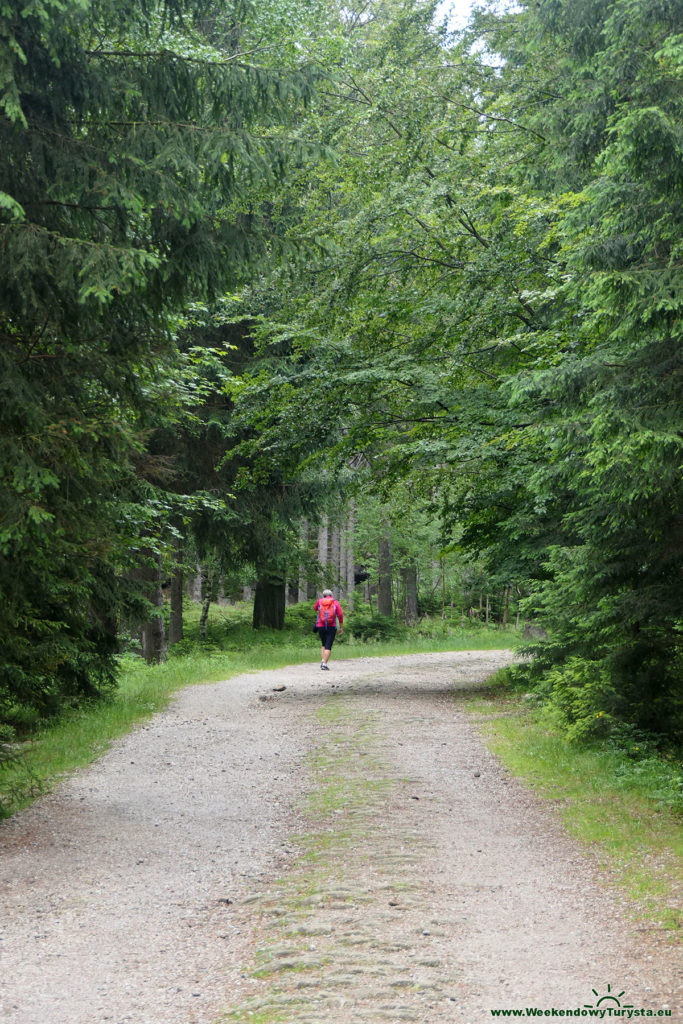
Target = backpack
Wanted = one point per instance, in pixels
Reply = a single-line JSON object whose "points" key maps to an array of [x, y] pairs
{"points": [[326, 612]]}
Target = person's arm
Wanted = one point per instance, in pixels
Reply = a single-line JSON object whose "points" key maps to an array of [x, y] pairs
{"points": [[340, 615]]}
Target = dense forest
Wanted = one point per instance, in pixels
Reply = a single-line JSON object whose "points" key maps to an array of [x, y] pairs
{"points": [[295, 292]]}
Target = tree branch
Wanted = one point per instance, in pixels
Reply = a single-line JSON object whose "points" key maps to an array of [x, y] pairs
{"points": [[156, 54], [416, 256]]}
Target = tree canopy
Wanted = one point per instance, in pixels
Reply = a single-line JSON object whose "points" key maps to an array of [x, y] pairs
{"points": [[241, 245], [133, 135], [496, 316]]}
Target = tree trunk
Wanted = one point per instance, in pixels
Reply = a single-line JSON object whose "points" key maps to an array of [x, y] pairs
{"points": [[303, 589], [153, 638], [323, 531], [350, 556], [384, 583], [269, 603], [488, 609], [207, 596], [342, 562], [175, 626], [194, 585], [334, 556], [410, 584], [204, 618], [506, 607]]}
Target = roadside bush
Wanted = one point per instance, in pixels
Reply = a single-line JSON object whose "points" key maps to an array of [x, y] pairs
{"points": [[300, 617], [368, 626], [641, 760], [17, 781], [7, 735], [663, 780], [582, 692]]}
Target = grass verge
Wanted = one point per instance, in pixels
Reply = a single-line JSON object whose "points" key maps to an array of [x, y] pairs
{"points": [[626, 815]]}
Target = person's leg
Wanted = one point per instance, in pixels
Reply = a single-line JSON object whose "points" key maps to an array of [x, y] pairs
{"points": [[328, 640]]}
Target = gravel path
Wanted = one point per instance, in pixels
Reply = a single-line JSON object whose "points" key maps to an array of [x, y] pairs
{"points": [[311, 847]]}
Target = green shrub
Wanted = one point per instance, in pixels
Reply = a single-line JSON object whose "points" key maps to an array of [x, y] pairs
{"points": [[369, 626], [662, 780], [21, 719], [300, 618]]}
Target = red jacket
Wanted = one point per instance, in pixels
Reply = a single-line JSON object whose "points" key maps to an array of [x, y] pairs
{"points": [[334, 607]]}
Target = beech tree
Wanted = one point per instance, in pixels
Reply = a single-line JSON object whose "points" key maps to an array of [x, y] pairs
{"points": [[496, 310]]}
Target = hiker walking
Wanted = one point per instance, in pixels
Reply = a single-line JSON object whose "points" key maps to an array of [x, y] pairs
{"points": [[329, 613]]}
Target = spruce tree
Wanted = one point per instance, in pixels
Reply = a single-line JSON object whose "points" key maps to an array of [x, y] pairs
{"points": [[133, 135]]}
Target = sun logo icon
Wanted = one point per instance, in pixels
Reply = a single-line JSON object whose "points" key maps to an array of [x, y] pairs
{"points": [[609, 999]]}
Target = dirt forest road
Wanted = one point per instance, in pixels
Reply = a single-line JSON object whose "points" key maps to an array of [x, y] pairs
{"points": [[298, 846]]}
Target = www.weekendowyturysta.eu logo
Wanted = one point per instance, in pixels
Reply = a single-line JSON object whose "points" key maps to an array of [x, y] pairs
{"points": [[609, 1000], [607, 1006]]}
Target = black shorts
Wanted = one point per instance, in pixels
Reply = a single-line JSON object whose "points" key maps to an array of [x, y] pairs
{"points": [[327, 635]]}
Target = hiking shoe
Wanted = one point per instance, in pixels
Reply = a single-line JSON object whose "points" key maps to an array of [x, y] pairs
{"points": [[324, 667]]}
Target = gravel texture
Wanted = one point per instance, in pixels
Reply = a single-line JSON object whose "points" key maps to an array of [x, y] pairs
{"points": [[303, 846]]}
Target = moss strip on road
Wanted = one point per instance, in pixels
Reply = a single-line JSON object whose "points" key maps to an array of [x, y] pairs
{"points": [[338, 937]]}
